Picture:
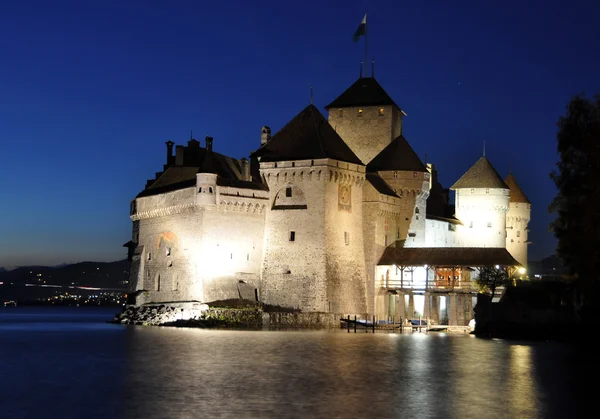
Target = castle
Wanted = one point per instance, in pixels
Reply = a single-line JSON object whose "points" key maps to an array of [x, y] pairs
{"points": [[333, 215]]}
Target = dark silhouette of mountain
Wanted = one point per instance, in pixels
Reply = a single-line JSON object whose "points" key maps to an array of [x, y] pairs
{"points": [[2, 269], [550, 265], [89, 274]]}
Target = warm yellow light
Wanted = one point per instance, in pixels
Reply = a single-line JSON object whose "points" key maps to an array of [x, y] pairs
{"points": [[522, 270]]}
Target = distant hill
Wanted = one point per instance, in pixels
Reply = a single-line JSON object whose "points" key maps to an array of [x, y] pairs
{"points": [[2, 269], [550, 265], [88, 274]]}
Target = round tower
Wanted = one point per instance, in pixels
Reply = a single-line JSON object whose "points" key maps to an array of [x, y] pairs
{"points": [[517, 218], [481, 203], [206, 189]]}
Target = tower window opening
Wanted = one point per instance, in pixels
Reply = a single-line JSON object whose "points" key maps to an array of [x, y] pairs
{"points": [[395, 174], [489, 224], [346, 238], [380, 113], [470, 224], [417, 210], [359, 113], [149, 256], [398, 233], [487, 190], [472, 190], [292, 236], [169, 264], [288, 192], [210, 189], [518, 233], [168, 251]]}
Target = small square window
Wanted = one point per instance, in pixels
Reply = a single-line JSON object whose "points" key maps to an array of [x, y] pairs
{"points": [[380, 113], [292, 236], [470, 224], [149, 256], [489, 224], [472, 190], [395, 174], [288, 191], [359, 113], [346, 238], [487, 191]]}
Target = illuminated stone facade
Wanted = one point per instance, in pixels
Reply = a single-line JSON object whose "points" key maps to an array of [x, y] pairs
{"points": [[305, 221]]}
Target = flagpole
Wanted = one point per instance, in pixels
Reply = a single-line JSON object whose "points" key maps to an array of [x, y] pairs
{"points": [[366, 45]]}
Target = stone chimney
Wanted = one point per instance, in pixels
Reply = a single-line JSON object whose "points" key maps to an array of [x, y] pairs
{"points": [[170, 145], [265, 135], [246, 169], [179, 155], [209, 141]]}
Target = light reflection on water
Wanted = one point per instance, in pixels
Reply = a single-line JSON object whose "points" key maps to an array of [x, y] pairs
{"points": [[91, 369]]}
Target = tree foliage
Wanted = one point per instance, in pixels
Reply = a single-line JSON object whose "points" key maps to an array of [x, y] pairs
{"points": [[491, 278], [577, 178]]}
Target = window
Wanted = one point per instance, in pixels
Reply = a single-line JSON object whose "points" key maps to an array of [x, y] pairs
{"points": [[417, 210], [168, 251], [395, 174], [346, 238], [359, 113], [451, 227], [149, 256], [210, 190], [519, 233], [292, 236], [385, 240], [472, 190], [288, 191], [169, 264], [489, 224], [380, 113], [414, 174], [487, 191], [157, 284], [470, 224], [398, 233]]}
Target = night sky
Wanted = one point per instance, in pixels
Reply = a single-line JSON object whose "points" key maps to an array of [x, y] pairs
{"points": [[91, 90]]}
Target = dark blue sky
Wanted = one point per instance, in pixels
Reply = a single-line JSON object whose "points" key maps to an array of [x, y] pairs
{"points": [[91, 90]]}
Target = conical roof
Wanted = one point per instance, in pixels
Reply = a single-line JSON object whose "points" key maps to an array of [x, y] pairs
{"points": [[516, 193], [365, 91], [481, 175], [397, 155], [307, 136]]}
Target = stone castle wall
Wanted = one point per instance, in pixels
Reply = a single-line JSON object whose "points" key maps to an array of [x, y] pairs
{"points": [[517, 220], [367, 132]]}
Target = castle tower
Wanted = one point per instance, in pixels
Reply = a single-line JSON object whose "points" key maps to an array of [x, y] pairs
{"points": [[313, 246], [366, 118], [402, 169], [517, 218], [481, 203]]}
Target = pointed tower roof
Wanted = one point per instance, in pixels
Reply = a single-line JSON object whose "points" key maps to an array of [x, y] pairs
{"points": [[397, 155], [307, 136], [365, 91], [481, 175], [516, 193]]}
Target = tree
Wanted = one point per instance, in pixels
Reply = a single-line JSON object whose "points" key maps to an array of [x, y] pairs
{"points": [[491, 278], [577, 178]]}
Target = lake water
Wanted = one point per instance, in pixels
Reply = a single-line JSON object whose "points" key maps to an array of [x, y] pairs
{"points": [[68, 363]]}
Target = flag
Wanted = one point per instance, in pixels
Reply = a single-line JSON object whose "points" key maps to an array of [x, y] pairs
{"points": [[361, 30]]}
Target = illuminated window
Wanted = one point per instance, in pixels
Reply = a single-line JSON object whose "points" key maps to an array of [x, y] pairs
{"points": [[346, 238], [380, 113], [359, 113], [292, 236], [288, 191]]}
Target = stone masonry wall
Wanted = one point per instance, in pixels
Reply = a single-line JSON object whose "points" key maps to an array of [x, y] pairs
{"points": [[368, 133]]}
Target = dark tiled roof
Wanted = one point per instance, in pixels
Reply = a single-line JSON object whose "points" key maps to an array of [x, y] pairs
{"points": [[516, 193], [199, 160], [397, 155], [380, 185], [481, 175], [364, 92], [307, 136], [446, 256]]}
